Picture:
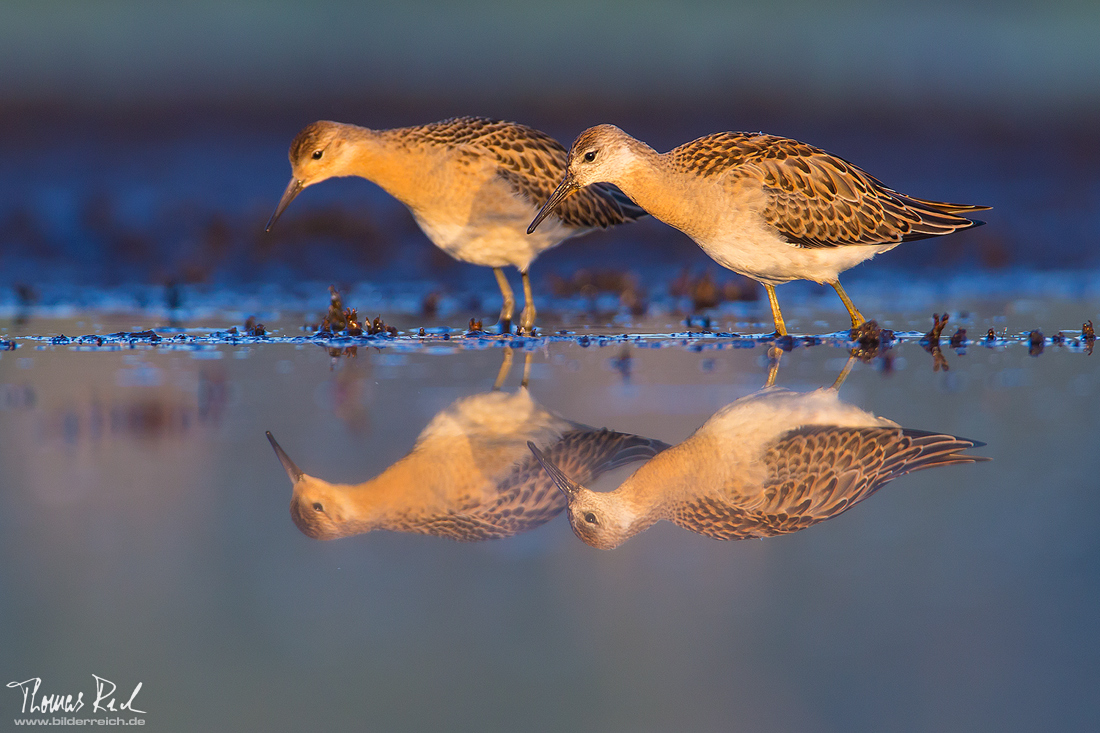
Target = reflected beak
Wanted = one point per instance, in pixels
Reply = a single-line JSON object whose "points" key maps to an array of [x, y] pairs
{"points": [[566, 187], [567, 485], [292, 190], [293, 471]]}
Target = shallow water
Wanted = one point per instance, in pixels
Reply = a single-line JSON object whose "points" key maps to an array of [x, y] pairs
{"points": [[146, 538]]}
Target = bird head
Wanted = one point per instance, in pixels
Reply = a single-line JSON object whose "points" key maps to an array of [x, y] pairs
{"points": [[599, 518], [317, 507], [599, 155], [317, 154]]}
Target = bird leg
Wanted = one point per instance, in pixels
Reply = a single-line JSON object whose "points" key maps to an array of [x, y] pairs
{"points": [[526, 369], [527, 317], [857, 317], [505, 367], [777, 316], [774, 355], [844, 372], [509, 308]]}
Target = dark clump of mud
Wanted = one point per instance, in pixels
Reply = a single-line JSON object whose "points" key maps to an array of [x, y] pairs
{"points": [[931, 342], [1035, 342], [870, 341]]}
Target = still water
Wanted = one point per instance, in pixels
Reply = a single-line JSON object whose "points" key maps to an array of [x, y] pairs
{"points": [[145, 537]]}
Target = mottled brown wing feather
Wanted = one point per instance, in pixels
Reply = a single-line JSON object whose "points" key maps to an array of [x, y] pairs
{"points": [[819, 200], [528, 496], [819, 472], [534, 164]]}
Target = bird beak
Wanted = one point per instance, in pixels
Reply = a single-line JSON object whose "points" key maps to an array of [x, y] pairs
{"points": [[292, 190], [293, 471], [566, 187], [567, 485]]}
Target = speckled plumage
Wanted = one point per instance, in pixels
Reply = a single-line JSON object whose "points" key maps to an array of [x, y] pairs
{"points": [[767, 207], [470, 475], [472, 184], [770, 463]]}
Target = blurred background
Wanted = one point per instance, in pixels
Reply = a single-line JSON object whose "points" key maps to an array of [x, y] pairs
{"points": [[145, 142]]}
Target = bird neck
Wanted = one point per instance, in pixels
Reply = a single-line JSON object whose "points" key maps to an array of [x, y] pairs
{"points": [[391, 500], [392, 160], [659, 187], [641, 502]]}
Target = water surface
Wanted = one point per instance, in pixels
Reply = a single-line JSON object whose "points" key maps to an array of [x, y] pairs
{"points": [[146, 537]]}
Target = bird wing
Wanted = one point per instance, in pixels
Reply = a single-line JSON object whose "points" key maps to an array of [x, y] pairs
{"points": [[528, 496], [816, 199], [817, 472], [533, 163]]}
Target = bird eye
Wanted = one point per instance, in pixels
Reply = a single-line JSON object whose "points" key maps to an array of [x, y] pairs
{"points": [[317, 154], [317, 506], [590, 156], [590, 518]]}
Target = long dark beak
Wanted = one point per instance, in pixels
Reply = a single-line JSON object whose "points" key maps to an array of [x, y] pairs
{"points": [[566, 187], [292, 190], [292, 470], [566, 484]]}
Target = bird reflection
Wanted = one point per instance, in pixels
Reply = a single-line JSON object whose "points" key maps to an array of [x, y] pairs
{"points": [[769, 463], [470, 475]]}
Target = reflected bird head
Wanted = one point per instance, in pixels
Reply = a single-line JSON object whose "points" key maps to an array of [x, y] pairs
{"points": [[317, 153], [599, 155], [598, 518], [316, 506]]}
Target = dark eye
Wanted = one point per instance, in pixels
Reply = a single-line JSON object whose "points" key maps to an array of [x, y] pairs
{"points": [[590, 518], [317, 154], [317, 506], [590, 156]]}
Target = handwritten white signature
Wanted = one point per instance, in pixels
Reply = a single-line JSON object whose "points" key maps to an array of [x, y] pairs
{"points": [[104, 698]]}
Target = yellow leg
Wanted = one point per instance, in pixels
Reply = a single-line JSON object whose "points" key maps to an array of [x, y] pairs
{"points": [[774, 355], [777, 316], [505, 367], [526, 369], [857, 317], [844, 372], [509, 301], [527, 317]]}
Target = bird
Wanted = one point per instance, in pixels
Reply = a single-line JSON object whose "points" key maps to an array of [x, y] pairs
{"points": [[472, 184], [469, 476], [770, 463], [767, 207]]}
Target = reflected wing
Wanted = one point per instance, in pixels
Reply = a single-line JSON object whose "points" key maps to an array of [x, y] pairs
{"points": [[529, 497], [818, 472], [534, 164], [819, 200]]}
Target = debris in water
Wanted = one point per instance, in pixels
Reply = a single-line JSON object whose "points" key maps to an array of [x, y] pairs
{"points": [[933, 336], [335, 320], [931, 343], [1035, 342], [871, 341], [254, 329], [958, 340], [351, 321]]}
